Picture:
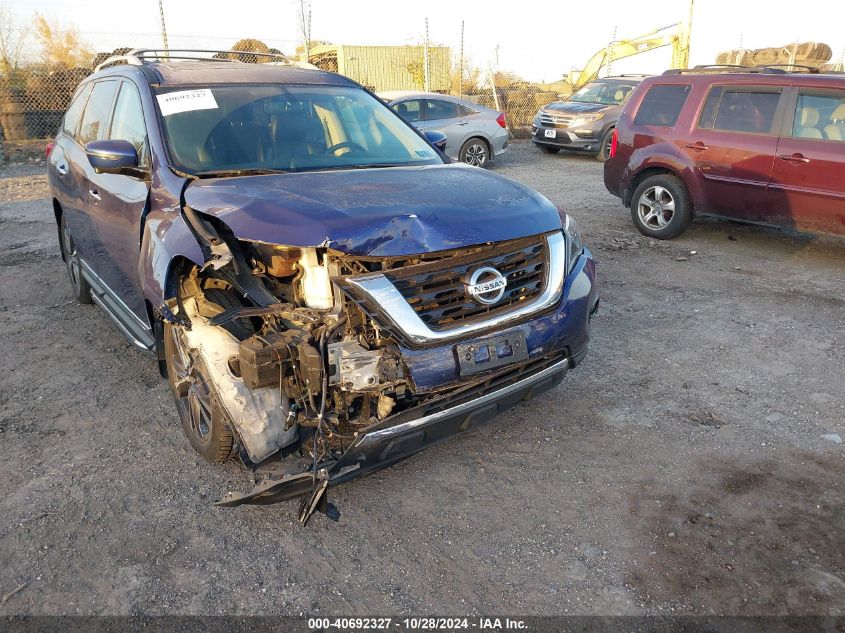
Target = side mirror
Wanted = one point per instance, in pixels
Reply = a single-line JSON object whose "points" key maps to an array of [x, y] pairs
{"points": [[111, 157], [438, 139]]}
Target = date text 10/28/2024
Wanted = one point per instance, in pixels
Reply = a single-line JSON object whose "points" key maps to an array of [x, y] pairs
{"points": [[481, 624]]}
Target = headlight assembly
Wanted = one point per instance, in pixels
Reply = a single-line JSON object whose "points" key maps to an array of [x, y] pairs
{"points": [[574, 247]]}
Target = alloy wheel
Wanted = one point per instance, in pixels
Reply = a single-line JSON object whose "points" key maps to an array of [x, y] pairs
{"points": [[656, 207], [476, 154], [191, 387]]}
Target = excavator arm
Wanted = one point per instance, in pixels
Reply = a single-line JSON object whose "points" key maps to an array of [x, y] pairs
{"points": [[627, 48]]}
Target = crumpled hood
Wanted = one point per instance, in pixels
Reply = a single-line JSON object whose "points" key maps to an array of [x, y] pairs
{"points": [[382, 212], [576, 108]]}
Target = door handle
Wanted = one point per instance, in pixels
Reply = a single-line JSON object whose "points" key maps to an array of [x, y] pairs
{"points": [[62, 169], [797, 158], [698, 145], [462, 123], [95, 194]]}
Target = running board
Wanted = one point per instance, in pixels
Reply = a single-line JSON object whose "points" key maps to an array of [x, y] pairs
{"points": [[136, 332]]}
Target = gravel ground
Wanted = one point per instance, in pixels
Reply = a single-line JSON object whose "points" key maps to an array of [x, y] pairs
{"points": [[690, 465]]}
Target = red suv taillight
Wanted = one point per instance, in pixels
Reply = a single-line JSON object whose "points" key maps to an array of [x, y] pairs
{"points": [[614, 143], [48, 149], [501, 120]]}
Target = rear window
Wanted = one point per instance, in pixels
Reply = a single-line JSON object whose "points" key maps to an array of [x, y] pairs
{"points": [[438, 110], [740, 110], [662, 105]]}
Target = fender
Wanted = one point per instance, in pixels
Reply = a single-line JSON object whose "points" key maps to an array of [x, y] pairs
{"points": [[663, 157], [167, 237]]}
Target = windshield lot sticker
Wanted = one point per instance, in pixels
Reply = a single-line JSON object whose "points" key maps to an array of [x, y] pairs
{"points": [[186, 101]]}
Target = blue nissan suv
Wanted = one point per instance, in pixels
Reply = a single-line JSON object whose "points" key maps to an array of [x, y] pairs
{"points": [[325, 291]]}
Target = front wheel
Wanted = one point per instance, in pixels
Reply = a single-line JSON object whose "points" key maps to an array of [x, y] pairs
{"points": [[604, 146], [475, 152], [204, 422], [660, 207]]}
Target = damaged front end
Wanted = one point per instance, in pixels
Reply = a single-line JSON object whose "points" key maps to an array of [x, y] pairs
{"points": [[322, 366]]}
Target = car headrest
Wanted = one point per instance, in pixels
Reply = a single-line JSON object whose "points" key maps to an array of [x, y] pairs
{"points": [[809, 116], [839, 113]]}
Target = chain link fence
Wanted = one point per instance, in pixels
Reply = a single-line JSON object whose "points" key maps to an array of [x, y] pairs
{"points": [[39, 73]]}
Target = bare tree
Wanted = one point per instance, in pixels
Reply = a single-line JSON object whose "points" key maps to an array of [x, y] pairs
{"points": [[12, 39]]}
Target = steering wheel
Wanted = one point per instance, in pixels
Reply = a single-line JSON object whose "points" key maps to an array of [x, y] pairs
{"points": [[348, 144]]}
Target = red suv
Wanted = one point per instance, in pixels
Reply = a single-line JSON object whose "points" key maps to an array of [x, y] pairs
{"points": [[758, 145]]}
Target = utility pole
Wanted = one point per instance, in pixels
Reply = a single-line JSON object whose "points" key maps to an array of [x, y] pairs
{"points": [[461, 67], [607, 54], [163, 27], [686, 35], [305, 27], [426, 77]]}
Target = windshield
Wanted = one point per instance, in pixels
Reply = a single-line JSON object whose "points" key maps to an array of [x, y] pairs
{"points": [[265, 128], [603, 93]]}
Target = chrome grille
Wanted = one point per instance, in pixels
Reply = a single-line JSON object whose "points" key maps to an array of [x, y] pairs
{"points": [[436, 290], [549, 119]]}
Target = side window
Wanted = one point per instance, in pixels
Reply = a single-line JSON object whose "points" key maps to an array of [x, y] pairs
{"points": [[408, 110], [128, 121], [74, 111], [438, 110], [97, 112], [820, 117], [662, 105], [466, 111], [746, 110]]}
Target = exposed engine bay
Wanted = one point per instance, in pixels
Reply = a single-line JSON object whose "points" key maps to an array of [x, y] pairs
{"points": [[298, 368]]}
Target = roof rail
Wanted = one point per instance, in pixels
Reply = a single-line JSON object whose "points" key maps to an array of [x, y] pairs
{"points": [[140, 56], [725, 68], [788, 68], [625, 75]]}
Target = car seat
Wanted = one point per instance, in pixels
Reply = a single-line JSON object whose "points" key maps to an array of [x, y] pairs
{"points": [[236, 141], [835, 130], [808, 120]]}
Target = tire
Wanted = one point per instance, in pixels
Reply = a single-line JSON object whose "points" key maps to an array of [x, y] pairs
{"points": [[660, 207], [204, 421], [604, 147], [475, 152], [80, 287], [548, 150]]}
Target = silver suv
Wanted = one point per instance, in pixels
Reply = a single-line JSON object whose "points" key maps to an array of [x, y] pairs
{"points": [[584, 121]]}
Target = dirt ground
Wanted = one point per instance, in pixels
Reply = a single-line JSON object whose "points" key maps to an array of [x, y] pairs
{"points": [[691, 465]]}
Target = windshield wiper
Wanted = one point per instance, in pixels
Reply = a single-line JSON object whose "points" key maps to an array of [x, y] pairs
{"points": [[360, 166], [229, 173]]}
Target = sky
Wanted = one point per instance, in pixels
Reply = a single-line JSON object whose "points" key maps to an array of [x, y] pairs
{"points": [[540, 41]]}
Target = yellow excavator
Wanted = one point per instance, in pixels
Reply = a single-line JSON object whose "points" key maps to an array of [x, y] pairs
{"points": [[675, 35]]}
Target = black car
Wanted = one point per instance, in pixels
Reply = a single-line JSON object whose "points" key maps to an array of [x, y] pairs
{"points": [[584, 121]]}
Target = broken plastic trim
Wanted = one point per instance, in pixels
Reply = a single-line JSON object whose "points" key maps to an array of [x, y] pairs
{"points": [[393, 440]]}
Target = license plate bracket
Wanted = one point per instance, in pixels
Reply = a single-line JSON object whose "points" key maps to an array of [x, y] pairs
{"points": [[490, 353], [550, 133]]}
